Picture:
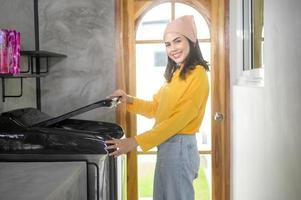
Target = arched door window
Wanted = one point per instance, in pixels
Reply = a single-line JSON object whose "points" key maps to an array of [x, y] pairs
{"points": [[151, 61]]}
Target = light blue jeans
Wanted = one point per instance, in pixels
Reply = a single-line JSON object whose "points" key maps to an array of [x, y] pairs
{"points": [[177, 166]]}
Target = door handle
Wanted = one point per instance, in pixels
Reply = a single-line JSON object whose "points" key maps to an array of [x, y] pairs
{"points": [[219, 117]]}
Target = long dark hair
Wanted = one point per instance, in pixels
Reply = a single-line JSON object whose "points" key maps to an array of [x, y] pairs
{"points": [[194, 58]]}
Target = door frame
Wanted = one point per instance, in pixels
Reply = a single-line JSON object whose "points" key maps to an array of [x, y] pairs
{"points": [[126, 14], [220, 84]]}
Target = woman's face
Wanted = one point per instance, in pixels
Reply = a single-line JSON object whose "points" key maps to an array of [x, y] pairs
{"points": [[177, 47]]}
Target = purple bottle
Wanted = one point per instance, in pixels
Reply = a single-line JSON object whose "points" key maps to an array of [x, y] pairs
{"points": [[17, 54], [4, 64], [13, 47]]}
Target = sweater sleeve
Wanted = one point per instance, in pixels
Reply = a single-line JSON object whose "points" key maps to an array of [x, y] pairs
{"points": [[186, 110], [144, 107]]}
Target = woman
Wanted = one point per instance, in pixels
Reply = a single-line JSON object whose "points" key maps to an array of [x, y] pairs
{"points": [[178, 108]]}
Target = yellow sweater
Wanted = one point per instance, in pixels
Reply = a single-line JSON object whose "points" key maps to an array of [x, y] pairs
{"points": [[178, 107]]}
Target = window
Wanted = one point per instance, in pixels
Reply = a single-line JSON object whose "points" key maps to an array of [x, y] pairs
{"points": [[253, 34], [160, 58]]}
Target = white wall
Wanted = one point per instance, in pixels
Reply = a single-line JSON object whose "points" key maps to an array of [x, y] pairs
{"points": [[266, 127]]}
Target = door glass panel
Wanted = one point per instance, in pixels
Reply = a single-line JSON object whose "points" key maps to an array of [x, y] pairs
{"points": [[203, 184], [146, 171], [150, 67], [152, 25], [204, 134], [206, 50], [151, 61]]}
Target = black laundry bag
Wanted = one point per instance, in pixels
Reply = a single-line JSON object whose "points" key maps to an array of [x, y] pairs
{"points": [[29, 130]]}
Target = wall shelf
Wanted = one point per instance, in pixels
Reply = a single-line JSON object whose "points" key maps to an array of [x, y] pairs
{"points": [[22, 75], [30, 72], [41, 54], [31, 55]]}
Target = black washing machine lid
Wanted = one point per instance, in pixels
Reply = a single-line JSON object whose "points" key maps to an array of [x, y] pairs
{"points": [[103, 103]]}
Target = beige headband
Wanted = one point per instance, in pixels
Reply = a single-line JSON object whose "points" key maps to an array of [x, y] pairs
{"points": [[183, 25]]}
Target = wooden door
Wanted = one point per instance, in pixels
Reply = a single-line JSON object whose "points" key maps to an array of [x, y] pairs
{"points": [[217, 14]]}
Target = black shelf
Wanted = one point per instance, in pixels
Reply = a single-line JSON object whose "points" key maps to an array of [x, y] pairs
{"points": [[35, 75], [37, 55], [42, 54], [30, 72]]}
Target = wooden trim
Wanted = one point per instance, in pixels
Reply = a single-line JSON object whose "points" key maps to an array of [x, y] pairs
{"points": [[221, 101], [132, 175], [141, 6], [125, 70]]}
